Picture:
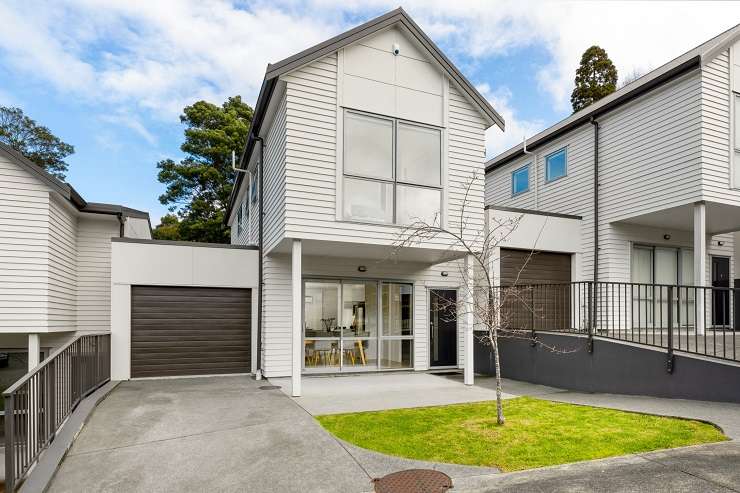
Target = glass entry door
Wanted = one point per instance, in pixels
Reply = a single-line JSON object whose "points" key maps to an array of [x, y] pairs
{"points": [[357, 325]]}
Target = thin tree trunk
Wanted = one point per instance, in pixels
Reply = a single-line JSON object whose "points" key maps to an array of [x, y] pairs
{"points": [[499, 400]]}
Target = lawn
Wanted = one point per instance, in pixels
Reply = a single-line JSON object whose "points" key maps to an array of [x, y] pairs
{"points": [[537, 433]]}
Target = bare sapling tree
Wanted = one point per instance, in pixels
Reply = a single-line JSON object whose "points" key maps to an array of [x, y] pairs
{"points": [[496, 309]]}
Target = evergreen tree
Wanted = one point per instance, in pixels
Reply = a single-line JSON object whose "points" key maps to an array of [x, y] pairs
{"points": [[596, 77]]}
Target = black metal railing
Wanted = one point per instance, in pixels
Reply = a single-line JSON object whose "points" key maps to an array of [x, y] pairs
{"points": [[694, 319], [38, 404]]}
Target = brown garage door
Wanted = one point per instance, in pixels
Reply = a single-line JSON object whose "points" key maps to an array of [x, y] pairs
{"points": [[544, 294], [189, 331]]}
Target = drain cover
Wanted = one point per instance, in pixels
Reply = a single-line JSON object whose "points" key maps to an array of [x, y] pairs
{"points": [[413, 481], [269, 387]]}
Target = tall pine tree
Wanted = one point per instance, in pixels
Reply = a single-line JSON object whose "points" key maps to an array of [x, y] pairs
{"points": [[596, 77]]}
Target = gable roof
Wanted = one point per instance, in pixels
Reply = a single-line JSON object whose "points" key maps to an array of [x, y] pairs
{"points": [[397, 16], [691, 60], [66, 190]]}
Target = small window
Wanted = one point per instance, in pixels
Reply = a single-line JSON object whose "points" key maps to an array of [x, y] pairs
{"points": [[239, 216], [520, 180], [253, 187], [556, 165]]}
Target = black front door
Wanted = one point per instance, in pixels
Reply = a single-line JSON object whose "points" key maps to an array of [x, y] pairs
{"points": [[443, 327], [720, 297]]}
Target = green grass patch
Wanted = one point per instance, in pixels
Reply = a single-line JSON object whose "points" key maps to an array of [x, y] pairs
{"points": [[537, 433]]}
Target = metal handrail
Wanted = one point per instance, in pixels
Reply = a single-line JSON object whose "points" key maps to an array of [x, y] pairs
{"points": [[38, 404]]}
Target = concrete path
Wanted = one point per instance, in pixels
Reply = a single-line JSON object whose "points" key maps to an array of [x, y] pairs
{"points": [[375, 392]]}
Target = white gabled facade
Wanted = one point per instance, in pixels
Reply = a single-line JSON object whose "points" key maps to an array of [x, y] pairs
{"points": [[306, 180]]}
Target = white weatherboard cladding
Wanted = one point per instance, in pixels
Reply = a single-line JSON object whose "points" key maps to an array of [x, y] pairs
{"points": [[277, 319], [94, 270], [62, 286], [24, 257], [311, 161]]}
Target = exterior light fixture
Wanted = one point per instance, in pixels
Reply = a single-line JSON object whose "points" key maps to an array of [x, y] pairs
{"points": [[666, 237], [445, 273], [362, 268], [720, 243]]}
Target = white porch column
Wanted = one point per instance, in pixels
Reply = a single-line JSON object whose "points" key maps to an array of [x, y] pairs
{"points": [[296, 270], [469, 320], [34, 351], [700, 262]]}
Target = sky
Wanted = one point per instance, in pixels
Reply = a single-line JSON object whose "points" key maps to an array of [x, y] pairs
{"points": [[111, 76]]}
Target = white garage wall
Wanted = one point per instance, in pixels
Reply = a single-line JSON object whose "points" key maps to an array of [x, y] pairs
{"points": [[163, 263]]}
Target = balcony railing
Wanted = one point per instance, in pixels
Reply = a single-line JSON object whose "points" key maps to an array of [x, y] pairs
{"points": [[38, 404], [692, 319]]}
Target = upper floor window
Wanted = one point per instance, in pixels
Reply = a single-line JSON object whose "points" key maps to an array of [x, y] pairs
{"points": [[392, 170], [239, 219], [736, 141], [520, 180], [253, 187], [556, 165]]}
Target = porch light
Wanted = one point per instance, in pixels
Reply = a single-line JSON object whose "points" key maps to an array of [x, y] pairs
{"points": [[362, 268], [720, 243], [666, 237], [445, 273]]}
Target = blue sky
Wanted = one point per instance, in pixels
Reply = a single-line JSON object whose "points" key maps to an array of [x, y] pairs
{"points": [[111, 76]]}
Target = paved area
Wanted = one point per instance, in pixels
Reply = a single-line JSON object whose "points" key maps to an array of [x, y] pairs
{"points": [[378, 391], [225, 434]]}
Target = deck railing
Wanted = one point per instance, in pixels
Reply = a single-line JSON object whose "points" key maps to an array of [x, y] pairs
{"points": [[692, 319], [38, 404]]}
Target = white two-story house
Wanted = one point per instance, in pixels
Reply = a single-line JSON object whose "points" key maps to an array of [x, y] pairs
{"points": [[356, 138], [55, 262], [647, 183]]}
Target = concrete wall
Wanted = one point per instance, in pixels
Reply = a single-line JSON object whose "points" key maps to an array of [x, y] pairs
{"points": [[162, 263], [604, 370]]}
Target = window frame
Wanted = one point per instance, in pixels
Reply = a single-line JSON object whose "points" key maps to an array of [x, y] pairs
{"points": [[394, 181], [514, 193], [564, 150]]}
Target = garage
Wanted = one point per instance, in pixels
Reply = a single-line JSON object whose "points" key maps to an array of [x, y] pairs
{"points": [[545, 294], [177, 330]]}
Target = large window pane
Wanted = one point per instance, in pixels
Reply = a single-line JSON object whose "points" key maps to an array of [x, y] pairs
{"points": [[368, 146], [520, 180], [360, 354], [396, 353], [367, 200], [397, 309], [419, 155], [416, 204], [360, 309], [321, 318]]}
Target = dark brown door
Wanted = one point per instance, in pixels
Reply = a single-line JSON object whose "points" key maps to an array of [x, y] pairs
{"points": [[539, 292], [189, 331], [720, 297], [443, 327]]}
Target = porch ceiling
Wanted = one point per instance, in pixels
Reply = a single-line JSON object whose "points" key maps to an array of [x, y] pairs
{"points": [[369, 251], [721, 218]]}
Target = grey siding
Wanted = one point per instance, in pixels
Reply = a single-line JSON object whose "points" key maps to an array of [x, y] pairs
{"points": [[93, 271], [62, 283]]}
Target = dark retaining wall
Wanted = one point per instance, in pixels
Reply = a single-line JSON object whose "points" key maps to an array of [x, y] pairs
{"points": [[612, 367]]}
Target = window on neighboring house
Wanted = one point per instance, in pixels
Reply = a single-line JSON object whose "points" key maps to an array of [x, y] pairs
{"points": [[392, 170], [520, 180], [556, 165]]}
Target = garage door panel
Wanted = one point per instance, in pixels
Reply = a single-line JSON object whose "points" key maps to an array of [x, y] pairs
{"points": [[547, 305], [189, 331]]}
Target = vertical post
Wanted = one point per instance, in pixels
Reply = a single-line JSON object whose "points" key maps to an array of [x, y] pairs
{"points": [[34, 351], [10, 443], [469, 320], [670, 330], [591, 316], [296, 270], [700, 259]]}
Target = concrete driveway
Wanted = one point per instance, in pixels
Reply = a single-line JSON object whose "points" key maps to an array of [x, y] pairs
{"points": [[205, 434]]}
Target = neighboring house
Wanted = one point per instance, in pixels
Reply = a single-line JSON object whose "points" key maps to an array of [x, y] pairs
{"points": [[55, 260], [646, 181], [359, 136]]}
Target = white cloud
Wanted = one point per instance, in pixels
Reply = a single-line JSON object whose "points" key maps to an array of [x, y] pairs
{"points": [[132, 123], [517, 129]]}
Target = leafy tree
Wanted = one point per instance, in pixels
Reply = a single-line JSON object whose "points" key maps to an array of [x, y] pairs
{"points": [[34, 141], [168, 228], [596, 77], [199, 186]]}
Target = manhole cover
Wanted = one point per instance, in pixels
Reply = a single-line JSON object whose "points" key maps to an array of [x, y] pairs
{"points": [[414, 481], [269, 387]]}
